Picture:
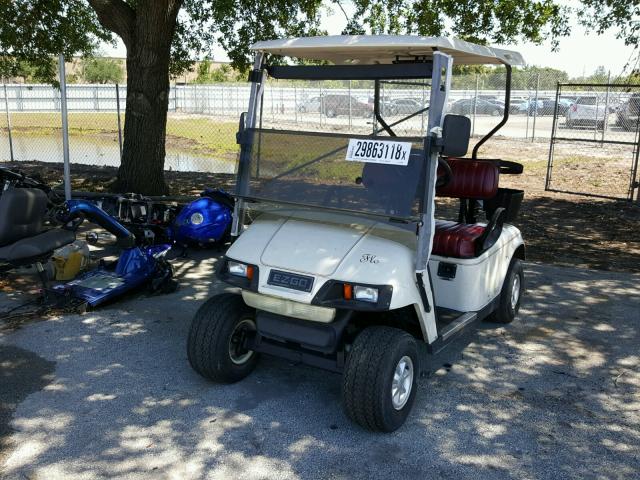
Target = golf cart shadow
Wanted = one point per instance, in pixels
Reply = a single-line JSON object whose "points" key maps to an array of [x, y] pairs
{"points": [[535, 393], [552, 391]]}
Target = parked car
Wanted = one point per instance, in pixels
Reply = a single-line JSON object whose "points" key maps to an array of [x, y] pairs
{"points": [[340, 104], [336, 104], [569, 99], [515, 105], [627, 116], [310, 105], [586, 111], [547, 106], [529, 107], [405, 106], [466, 107]]}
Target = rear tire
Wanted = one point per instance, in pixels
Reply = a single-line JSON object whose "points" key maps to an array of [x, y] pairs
{"points": [[380, 378], [215, 343], [510, 295]]}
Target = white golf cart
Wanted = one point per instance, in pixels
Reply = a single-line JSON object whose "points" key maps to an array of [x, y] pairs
{"points": [[343, 265]]}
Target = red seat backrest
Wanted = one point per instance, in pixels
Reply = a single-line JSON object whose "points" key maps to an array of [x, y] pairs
{"points": [[471, 179]]}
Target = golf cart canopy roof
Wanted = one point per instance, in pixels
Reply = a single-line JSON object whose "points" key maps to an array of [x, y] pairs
{"points": [[385, 49]]}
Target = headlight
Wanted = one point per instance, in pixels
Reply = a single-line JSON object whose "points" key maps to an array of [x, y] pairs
{"points": [[365, 294], [240, 269], [196, 218]]}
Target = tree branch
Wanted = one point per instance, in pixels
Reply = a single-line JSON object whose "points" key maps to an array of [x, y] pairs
{"points": [[117, 16]]}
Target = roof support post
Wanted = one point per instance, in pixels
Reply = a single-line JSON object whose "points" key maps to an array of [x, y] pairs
{"points": [[257, 79], [440, 86]]}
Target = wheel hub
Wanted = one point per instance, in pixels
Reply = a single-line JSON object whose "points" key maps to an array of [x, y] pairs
{"points": [[238, 352], [515, 292], [402, 382]]}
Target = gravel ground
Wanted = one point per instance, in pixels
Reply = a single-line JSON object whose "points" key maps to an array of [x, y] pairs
{"points": [[554, 395]]}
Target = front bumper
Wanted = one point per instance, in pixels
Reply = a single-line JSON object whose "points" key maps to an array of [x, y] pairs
{"points": [[289, 308]]}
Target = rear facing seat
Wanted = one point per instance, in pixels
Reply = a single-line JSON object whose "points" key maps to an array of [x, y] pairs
{"points": [[471, 179]]}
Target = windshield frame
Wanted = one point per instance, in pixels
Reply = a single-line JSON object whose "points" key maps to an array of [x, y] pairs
{"points": [[440, 66]]}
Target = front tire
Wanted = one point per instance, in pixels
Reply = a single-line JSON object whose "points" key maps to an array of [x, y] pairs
{"points": [[380, 378], [216, 343], [510, 295]]}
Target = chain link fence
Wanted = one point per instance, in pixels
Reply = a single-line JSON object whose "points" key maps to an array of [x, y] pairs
{"points": [[595, 141], [203, 119]]}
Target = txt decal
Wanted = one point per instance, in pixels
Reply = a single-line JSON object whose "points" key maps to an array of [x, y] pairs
{"points": [[369, 258]]}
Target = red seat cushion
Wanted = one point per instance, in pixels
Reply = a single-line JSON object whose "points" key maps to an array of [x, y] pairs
{"points": [[457, 240], [471, 179]]}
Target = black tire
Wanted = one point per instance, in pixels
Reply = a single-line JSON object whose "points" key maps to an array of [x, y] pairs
{"points": [[506, 310], [302, 110], [331, 113], [368, 377], [495, 113], [212, 331]]}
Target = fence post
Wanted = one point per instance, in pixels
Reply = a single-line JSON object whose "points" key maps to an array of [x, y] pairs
{"points": [[119, 122], [222, 98], [349, 104], [65, 127], [6, 109], [321, 104], [535, 109], [422, 105], [526, 133], [475, 105], [606, 107], [295, 102]]}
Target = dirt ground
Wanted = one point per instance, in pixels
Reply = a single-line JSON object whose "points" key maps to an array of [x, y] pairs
{"points": [[110, 394], [558, 228]]}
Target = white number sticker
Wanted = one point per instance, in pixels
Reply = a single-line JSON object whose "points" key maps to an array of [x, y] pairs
{"points": [[378, 151]]}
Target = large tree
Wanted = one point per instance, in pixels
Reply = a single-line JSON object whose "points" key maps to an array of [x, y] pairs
{"points": [[163, 36]]}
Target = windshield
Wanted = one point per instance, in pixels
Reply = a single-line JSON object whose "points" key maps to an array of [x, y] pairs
{"points": [[370, 175], [320, 145], [587, 100]]}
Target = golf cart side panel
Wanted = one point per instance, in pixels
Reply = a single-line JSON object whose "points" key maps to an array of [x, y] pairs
{"points": [[477, 280]]}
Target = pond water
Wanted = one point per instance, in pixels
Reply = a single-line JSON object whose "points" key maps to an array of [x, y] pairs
{"points": [[100, 152]]}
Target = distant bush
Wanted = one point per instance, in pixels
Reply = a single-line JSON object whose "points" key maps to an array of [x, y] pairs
{"points": [[102, 70]]}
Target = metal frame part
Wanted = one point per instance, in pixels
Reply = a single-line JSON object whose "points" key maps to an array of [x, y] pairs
{"points": [[257, 86]]}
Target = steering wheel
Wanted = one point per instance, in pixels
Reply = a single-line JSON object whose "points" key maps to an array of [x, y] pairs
{"points": [[445, 179], [510, 168]]}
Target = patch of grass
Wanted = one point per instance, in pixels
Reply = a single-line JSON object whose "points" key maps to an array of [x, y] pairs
{"points": [[200, 135], [79, 123]]}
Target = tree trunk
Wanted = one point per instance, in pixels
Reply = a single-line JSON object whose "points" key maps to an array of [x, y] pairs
{"points": [[147, 33], [142, 167]]}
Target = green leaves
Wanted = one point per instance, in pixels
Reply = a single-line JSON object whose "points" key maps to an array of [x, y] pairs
{"points": [[623, 15], [102, 70], [34, 31]]}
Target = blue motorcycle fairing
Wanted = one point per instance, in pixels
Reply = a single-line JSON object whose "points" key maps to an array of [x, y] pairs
{"points": [[96, 215], [135, 266], [214, 223]]}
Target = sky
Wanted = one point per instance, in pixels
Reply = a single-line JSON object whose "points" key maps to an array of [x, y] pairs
{"points": [[578, 54]]}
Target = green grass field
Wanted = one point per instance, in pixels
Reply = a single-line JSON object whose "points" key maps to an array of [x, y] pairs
{"points": [[196, 134]]}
